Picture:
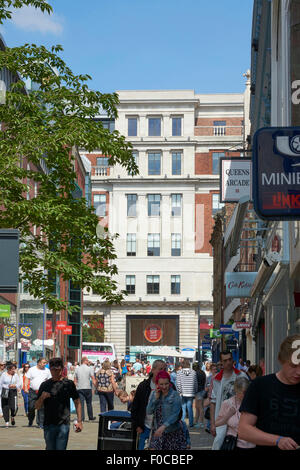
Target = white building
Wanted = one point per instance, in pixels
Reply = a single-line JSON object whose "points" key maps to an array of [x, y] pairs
{"points": [[164, 215]]}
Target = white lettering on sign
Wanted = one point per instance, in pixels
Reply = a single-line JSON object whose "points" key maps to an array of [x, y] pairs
{"points": [[296, 355], [280, 179], [296, 94]]}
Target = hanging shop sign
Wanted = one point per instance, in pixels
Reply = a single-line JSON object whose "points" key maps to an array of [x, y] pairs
{"points": [[67, 330], [215, 333], [61, 325], [25, 331], [241, 325], [9, 331], [276, 173], [239, 284], [4, 311], [153, 333], [226, 329], [235, 179]]}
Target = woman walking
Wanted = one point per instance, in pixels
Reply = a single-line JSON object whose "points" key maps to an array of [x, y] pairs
{"points": [[10, 384], [106, 386], [165, 405], [25, 386], [229, 414]]}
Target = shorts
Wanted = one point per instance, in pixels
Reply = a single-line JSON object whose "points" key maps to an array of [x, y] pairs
{"points": [[200, 395]]}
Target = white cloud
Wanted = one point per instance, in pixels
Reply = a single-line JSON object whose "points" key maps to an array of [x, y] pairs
{"points": [[31, 19]]}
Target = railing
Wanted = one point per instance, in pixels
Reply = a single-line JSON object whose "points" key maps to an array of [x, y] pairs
{"points": [[100, 170], [218, 131]]}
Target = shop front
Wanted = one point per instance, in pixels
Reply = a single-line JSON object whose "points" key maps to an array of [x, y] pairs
{"points": [[146, 334]]}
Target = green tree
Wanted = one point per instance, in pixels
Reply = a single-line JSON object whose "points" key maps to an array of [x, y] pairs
{"points": [[41, 128]]}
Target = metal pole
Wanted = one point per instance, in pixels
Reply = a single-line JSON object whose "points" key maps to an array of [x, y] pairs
{"points": [[199, 338]]}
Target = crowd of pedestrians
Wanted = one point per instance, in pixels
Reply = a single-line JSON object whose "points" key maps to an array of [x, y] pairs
{"points": [[241, 407]]}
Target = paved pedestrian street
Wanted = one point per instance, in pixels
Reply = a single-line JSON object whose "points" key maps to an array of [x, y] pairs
{"points": [[21, 437]]}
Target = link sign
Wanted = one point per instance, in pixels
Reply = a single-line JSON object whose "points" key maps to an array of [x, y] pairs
{"points": [[276, 173]]}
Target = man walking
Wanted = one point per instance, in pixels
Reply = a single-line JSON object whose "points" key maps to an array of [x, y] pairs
{"points": [[223, 388], [54, 395], [187, 386], [36, 376], [141, 421], [84, 378], [270, 411]]}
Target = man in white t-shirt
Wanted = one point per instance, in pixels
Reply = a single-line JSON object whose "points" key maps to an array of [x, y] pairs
{"points": [[36, 376]]}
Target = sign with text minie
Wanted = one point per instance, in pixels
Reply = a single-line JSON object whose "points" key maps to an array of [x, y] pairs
{"points": [[276, 173], [235, 179]]}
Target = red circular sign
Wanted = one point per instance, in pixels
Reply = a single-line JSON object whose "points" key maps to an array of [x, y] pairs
{"points": [[153, 333]]}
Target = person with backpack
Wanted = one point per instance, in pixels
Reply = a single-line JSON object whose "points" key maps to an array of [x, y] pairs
{"points": [[106, 385]]}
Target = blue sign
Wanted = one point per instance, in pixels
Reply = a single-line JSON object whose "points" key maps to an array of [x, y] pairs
{"points": [[127, 358], [226, 329], [276, 173], [206, 345]]}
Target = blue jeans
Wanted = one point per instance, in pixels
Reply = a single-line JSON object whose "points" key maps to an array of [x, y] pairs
{"points": [[143, 436], [187, 404], [56, 436], [25, 398]]}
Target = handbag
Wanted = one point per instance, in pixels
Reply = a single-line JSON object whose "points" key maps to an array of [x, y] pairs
{"points": [[229, 442], [4, 393]]}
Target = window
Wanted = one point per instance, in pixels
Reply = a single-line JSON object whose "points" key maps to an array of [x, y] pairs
{"points": [[130, 284], [152, 284], [176, 163], [153, 204], [132, 127], [100, 204], [216, 162], [108, 124], [219, 127], [175, 284], [176, 204], [131, 244], [176, 126], [216, 204], [154, 163], [153, 244], [102, 161], [154, 127], [176, 244], [131, 205]]}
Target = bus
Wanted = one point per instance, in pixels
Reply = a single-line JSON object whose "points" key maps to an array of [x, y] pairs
{"points": [[99, 351]]}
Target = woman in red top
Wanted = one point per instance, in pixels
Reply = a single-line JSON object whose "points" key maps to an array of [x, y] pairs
{"points": [[25, 386]]}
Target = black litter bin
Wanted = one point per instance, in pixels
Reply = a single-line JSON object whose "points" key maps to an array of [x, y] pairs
{"points": [[115, 431]]}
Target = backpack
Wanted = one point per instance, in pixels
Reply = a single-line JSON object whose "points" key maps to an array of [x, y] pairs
{"points": [[104, 381]]}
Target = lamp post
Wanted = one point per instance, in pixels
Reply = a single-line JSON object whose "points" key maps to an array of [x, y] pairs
{"points": [[199, 337]]}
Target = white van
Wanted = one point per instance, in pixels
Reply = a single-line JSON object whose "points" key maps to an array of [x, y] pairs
{"points": [[99, 351]]}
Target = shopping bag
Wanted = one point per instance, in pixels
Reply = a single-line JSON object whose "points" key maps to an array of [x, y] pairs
{"points": [[72, 406]]}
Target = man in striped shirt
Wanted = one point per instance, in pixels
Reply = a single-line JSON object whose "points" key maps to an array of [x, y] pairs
{"points": [[187, 386]]}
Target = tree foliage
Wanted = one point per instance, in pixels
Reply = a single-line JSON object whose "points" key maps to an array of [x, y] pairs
{"points": [[41, 129]]}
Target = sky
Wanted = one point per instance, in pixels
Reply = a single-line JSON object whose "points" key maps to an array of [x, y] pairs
{"points": [[199, 45]]}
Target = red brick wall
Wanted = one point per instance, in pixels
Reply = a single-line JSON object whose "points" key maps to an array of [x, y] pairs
{"points": [[93, 159], [231, 122], [203, 161]]}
